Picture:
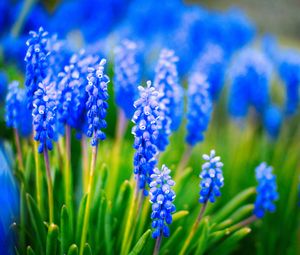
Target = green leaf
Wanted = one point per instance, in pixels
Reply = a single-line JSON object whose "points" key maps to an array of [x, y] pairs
{"points": [[231, 243], [65, 229], [87, 250], [180, 214], [108, 231], [52, 239], [123, 195], [37, 223], [73, 250], [217, 236], [30, 251], [203, 237], [171, 242], [233, 204], [101, 220], [140, 245], [80, 218]]}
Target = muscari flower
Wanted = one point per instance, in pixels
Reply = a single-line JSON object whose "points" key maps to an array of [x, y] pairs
{"points": [[266, 190], [212, 64], [199, 108], [37, 62], [289, 71], [72, 95], [272, 120], [170, 97], [44, 115], [3, 85], [17, 114], [161, 197], [212, 178], [96, 105], [127, 76], [250, 77], [145, 134]]}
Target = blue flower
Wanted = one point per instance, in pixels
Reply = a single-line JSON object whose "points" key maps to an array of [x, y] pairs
{"points": [[170, 98], [161, 197], [266, 190], [96, 104], [273, 121], [9, 200], [17, 114], [145, 134], [127, 76], [44, 115], [289, 71], [212, 64], [212, 178], [37, 61], [199, 108], [250, 76], [3, 85], [72, 95]]}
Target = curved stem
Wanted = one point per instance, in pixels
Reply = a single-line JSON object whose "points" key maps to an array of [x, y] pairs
{"points": [[68, 175], [88, 202], [243, 223], [49, 182], [184, 160], [193, 230], [157, 245], [38, 176]]}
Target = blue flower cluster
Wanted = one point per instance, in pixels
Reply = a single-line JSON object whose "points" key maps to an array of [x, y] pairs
{"points": [[145, 134], [96, 104], [161, 197], [127, 76], [199, 108], [289, 71], [266, 190], [3, 85], [250, 80], [212, 178], [17, 114], [72, 95], [170, 98], [44, 115], [37, 62], [212, 64]]}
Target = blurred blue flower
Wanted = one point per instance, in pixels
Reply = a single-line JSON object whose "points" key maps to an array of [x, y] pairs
{"points": [[161, 197], [3, 85], [145, 134], [96, 104], [37, 62], [250, 76], [289, 71], [44, 115], [211, 178], [199, 108], [212, 64], [266, 190], [273, 120], [17, 115], [9, 201], [170, 98], [127, 76]]}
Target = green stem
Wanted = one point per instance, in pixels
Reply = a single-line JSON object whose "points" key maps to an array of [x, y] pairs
{"points": [[38, 176], [49, 182], [68, 175], [157, 245], [184, 160], [193, 230], [85, 163], [22, 189], [88, 202], [17, 27]]}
